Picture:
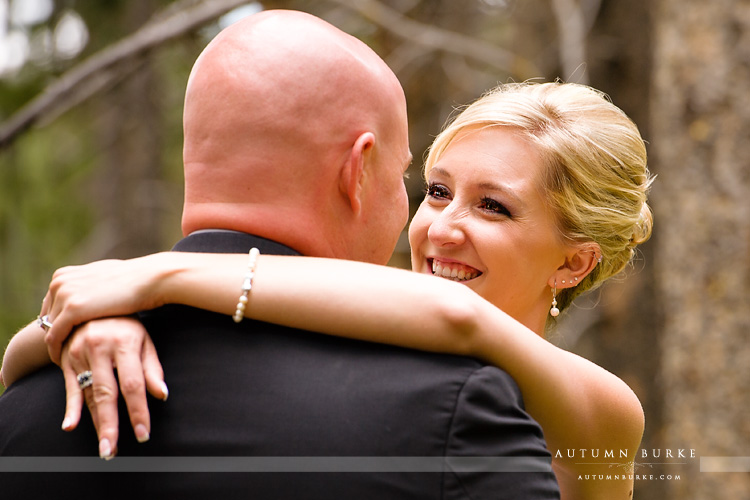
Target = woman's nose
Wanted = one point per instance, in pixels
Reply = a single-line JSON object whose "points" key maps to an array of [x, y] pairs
{"points": [[447, 228]]}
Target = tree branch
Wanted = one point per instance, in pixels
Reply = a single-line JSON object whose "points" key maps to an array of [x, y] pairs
{"points": [[101, 69], [440, 39], [71, 88]]}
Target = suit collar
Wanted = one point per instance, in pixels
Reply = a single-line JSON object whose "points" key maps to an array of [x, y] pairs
{"points": [[226, 241]]}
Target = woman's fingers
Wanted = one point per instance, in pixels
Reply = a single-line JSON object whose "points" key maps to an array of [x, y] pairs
{"points": [[89, 370], [153, 371], [73, 394], [89, 385], [58, 327], [101, 399], [130, 371], [45, 304], [54, 339]]}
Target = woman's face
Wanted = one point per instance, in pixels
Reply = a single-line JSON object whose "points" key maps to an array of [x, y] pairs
{"points": [[485, 222]]}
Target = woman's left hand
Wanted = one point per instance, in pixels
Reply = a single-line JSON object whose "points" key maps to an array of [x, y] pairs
{"points": [[92, 353]]}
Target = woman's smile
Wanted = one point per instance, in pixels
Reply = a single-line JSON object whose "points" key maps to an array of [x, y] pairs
{"points": [[452, 270]]}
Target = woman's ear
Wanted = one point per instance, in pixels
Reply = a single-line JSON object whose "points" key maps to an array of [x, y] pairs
{"points": [[579, 262], [352, 172]]}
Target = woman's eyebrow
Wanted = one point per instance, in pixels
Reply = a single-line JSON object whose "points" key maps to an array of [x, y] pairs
{"points": [[440, 171], [486, 185], [506, 191]]}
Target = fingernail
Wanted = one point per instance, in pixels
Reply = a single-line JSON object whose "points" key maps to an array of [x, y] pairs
{"points": [[141, 433], [66, 423], [105, 449], [164, 391]]}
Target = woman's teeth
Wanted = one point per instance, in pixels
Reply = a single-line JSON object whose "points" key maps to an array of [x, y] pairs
{"points": [[454, 271]]}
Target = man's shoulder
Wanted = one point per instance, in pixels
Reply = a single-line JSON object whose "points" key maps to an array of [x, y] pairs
{"points": [[31, 412]]}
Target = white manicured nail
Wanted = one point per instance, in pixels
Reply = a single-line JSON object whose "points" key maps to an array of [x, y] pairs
{"points": [[141, 433], [105, 449]]}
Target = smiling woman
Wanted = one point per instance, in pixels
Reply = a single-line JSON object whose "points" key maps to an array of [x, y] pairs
{"points": [[485, 215], [536, 192], [591, 164]]}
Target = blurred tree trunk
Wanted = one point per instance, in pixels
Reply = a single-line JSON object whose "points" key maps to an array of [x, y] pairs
{"points": [[625, 334], [130, 130], [701, 137]]}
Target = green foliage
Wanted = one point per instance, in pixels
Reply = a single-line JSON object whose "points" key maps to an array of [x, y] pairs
{"points": [[44, 214], [55, 178]]}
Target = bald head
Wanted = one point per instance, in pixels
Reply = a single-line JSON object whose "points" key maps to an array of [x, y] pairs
{"points": [[273, 107]]}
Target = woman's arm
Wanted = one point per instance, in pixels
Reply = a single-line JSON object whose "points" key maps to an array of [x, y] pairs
{"points": [[578, 404], [25, 354]]}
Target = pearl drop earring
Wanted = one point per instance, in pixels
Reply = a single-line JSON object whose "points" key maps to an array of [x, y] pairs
{"points": [[554, 311]]}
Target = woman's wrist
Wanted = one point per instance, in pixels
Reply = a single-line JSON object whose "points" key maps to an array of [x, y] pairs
{"points": [[163, 274], [208, 281]]}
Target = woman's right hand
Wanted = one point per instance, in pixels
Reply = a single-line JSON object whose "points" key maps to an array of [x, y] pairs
{"points": [[101, 289]]}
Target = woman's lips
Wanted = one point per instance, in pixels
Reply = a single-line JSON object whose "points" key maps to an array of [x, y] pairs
{"points": [[453, 270]]}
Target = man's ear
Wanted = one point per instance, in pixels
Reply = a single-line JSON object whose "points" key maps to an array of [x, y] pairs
{"points": [[579, 262], [353, 171]]}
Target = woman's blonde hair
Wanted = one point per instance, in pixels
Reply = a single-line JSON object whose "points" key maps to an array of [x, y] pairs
{"points": [[596, 179]]}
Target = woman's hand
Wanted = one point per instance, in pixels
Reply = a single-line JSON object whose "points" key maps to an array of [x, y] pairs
{"points": [[100, 346], [102, 289]]}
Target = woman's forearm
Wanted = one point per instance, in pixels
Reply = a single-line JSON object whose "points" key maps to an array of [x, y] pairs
{"points": [[25, 354], [337, 297]]}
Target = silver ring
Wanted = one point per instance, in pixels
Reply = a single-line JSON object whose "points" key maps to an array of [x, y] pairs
{"points": [[44, 322], [85, 379]]}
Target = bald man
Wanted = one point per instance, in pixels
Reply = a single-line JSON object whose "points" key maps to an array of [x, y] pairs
{"points": [[295, 143]]}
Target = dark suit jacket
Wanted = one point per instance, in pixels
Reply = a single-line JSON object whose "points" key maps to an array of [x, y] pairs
{"points": [[261, 390]]}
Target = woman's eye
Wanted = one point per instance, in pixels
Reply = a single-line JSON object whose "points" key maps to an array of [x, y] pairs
{"points": [[494, 206], [438, 191]]}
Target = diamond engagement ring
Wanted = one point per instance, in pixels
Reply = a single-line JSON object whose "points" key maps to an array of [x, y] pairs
{"points": [[85, 379], [44, 322]]}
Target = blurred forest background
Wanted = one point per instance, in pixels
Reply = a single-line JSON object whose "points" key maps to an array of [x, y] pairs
{"points": [[90, 167]]}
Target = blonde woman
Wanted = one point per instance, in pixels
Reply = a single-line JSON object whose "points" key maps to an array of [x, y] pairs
{"points": [[536, 193]]}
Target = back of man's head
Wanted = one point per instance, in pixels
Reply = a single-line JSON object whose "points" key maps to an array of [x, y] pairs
{"points": [[276, 107]]}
